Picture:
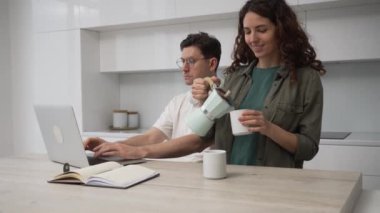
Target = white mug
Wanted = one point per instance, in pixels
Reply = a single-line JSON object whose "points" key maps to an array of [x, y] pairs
{"points": [[237, 127], [214, 164]]}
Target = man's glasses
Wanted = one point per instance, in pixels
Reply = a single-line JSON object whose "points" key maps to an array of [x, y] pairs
{"points": [[190, 61]]}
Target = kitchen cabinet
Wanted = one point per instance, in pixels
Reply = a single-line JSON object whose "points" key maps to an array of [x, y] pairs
{"points": [[157, 48], [345, 33], [97, 13], [336, 33], [326, 4], [56, 15], [141, 49], [225, 31], [358, 152], [100, 14], [197, 7], [126, 13]]}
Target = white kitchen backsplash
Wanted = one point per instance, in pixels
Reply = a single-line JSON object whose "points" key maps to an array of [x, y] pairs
{"points": [[148, 93], [352, 97]]}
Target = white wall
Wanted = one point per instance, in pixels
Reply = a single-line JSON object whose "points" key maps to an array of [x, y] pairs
{"points": [[25, 130], [99, 88], [148, 93], [5, 82]]}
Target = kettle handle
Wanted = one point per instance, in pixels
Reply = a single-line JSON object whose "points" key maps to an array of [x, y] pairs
{"points": [[210, 83]]}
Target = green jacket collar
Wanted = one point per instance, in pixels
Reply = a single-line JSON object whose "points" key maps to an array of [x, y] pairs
{"points": [[282, 72]]}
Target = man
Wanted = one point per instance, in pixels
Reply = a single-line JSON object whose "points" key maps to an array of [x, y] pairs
{"points": [[200, 58]]}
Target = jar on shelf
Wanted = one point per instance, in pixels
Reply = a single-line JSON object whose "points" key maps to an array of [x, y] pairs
{"points": [[120, 118], [133, 120]]}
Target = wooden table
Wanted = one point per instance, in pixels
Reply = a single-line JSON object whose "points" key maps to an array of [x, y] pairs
{"points": [[179, 188]]}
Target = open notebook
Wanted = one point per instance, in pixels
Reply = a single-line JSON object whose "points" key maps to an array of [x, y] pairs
{"points": [[109, 174]]}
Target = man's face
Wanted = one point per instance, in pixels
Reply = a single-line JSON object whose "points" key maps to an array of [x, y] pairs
{"points": [[195, 65]]}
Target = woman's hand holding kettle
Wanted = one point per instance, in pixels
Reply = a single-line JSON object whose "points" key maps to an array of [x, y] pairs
{"points": [[201, 87]]}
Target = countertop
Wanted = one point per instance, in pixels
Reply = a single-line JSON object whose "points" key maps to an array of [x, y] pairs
{"points": [[179, 188], [114, 133], [355, 139]]}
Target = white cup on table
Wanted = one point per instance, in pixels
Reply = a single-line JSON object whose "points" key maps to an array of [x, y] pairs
{"points": [[237, 127], [214, 164]]}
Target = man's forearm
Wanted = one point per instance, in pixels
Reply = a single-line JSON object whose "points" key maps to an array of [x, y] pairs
{"points": [[138, 140], [152, 136], [175, 148]]}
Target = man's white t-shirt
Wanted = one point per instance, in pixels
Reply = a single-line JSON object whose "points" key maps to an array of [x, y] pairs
{"points": [[172, 121]]}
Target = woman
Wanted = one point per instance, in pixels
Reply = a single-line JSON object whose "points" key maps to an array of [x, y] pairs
{"points": [[276, 77]]}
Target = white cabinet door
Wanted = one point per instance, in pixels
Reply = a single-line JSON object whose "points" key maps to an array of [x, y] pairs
{"points": [[54, 15], [350, 158], [185, 8], [347, 33], [142, 49], [362, 159], [100, 13], [224, 30], [155, 48], [95, 13]]}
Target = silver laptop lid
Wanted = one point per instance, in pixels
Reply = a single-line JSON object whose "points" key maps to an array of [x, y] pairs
{"points": [[61, 134]]}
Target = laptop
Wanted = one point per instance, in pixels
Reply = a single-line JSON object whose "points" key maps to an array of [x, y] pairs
{"points": [[63, 140]]}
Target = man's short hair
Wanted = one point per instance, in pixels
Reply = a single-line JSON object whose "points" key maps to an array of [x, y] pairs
{"points": [[208, 44]]}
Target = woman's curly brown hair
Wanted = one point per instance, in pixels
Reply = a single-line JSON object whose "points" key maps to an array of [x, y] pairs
{"points": [[295, 49]]}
